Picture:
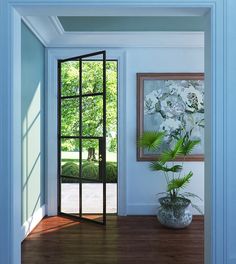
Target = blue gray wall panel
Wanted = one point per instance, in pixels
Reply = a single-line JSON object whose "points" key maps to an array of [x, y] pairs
{"points": [[32, 117]]}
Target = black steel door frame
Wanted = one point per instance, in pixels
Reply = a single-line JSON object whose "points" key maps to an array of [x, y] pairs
{"points": [[102, 139]]}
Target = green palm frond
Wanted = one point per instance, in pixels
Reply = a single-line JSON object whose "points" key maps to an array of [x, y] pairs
{"points": [[179, 183], [151, 140], [158, 166], [197, 208], [178, 147], [166, 156], [172, 153], [191, 195], [188, 146], [175, 168]]}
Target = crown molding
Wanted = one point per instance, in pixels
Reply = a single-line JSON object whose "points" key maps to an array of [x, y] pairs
{"points": [[57, 24], [51, 33], [33, 27]]}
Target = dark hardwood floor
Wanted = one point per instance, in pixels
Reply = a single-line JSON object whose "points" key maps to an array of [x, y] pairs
{"points": [[125, 240]]}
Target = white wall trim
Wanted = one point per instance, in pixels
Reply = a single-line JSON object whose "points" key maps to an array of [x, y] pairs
{"points": [[215, 236], [133, 39], [51, 135], [122, 151], [151, 209], [34, 29], [145, 208], [32, 222], [15, 77], [51, 127], [57, 24]]}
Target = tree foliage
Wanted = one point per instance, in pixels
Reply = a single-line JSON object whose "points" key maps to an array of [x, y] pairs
{"points": [[92, 106]]}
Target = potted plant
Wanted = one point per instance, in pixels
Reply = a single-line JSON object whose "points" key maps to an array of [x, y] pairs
{"points": [[175, 205]]}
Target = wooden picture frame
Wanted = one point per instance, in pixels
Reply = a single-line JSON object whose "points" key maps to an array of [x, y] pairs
{"points": [[151, 85]]}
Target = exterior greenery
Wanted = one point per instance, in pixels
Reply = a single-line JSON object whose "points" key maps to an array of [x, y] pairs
{"points": [[89, 171], [92, 116]]}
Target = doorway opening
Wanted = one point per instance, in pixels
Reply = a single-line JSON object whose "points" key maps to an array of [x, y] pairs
{"points": [[87, 137]]}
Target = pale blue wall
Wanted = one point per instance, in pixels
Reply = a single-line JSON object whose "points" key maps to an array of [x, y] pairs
{"points": [[109, 23], [142, 184], [32, 117]]}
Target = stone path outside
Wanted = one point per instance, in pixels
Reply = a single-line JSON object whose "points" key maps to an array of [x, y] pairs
{"points": [[92, 198]]}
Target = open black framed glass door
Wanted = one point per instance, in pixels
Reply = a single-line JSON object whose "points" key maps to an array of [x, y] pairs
{"points": [[82, 137]]}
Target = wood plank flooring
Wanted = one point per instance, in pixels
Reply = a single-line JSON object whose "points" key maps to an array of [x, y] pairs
{"points": [[125, 240]]}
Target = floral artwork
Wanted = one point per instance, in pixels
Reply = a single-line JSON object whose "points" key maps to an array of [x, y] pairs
{"points": [[173, 103]]}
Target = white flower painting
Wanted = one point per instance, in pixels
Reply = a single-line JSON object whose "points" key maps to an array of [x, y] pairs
{"points": [[176, 107]]}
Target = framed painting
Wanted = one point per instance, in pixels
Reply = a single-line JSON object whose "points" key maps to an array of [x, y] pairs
{"points": [[174, 103]]}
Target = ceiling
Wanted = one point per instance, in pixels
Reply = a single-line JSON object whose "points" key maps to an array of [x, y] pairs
{"points": [[141, 11], [116, 26], [130, 23]]}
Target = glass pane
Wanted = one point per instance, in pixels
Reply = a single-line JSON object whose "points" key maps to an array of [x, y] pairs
{"points": [[92, 200], [70, 158], [69, 197], [92, 192], [70, 172], [70, 78], [90, 160], [70, 117], [92, 116], [92, 76]]}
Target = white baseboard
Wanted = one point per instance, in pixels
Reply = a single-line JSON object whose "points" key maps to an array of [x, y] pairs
{"points": [[31, 223], [151, 209], [142, 209]]}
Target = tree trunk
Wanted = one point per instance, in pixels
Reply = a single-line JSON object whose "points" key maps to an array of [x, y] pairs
{"points": [[91, 154]]}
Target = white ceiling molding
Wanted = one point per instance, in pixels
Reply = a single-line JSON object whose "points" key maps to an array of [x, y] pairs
{"points": [[57, 24], [50, 31], [43, 27], [35, 30]]}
